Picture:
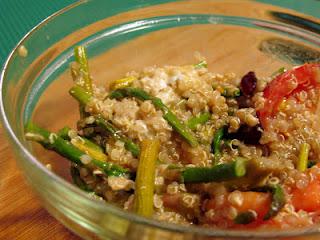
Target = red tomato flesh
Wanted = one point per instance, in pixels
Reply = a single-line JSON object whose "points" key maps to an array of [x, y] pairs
{"points": [[172, 201], [307, 199], [256, 201], [300, 78]]}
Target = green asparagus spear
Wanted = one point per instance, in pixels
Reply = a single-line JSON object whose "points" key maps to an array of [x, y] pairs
{"points": [[202, 64], [144, 189], [218, 173], [84, 98], [81, 58], [202, 118], [302, 164], [245, 218], [53, 142], [64, 133], [216, 143], [116, 134], [122, 83], [80, 94], [168, 115], [179, 127], [231, 93], [130, 92], [90, 145], [89, 148], [278, 201]]}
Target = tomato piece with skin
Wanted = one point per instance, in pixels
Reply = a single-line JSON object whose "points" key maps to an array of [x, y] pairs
{"points": [[307, 199], [300, 78], [256, 201], [172, 201]]}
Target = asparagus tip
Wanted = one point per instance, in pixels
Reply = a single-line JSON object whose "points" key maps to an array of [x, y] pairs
{"points": [[240, 167]]}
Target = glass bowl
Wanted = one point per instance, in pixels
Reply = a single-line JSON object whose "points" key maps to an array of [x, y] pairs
{"points": [[234, 36]]}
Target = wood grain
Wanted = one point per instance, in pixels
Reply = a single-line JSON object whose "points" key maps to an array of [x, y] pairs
{"points": [[21, 214]]}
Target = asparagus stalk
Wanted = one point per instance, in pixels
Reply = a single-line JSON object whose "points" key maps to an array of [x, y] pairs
{"points": [[303, 157], [144, 189], [80, 74], [85, 80], [122, 83], [90, 144], [116, 134], [65, 133], [278, 201], [231, 93], [88, 147], [218, 173], [216, 143], [130, 92], [193, 122], [202, 64], [84, 98], [180, 128], [84, 144], [80, 94], [54, 142], [168, 115]]}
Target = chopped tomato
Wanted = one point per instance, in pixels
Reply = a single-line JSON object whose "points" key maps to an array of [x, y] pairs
{"points": [[244, 201], [308, 198], [300, 78], [256, 201], [172, 201]]}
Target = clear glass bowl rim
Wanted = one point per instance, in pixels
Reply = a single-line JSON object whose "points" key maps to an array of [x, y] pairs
{"points": [[108, 208]]}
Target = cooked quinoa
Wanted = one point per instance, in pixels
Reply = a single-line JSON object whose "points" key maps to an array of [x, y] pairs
{"points": [[280, 148]]}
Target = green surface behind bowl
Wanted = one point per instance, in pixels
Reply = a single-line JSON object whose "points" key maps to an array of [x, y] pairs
{"points": [[18, 16]]}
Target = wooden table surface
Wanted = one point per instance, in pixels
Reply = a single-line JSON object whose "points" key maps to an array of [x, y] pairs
{"points": [[21, 214]]}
